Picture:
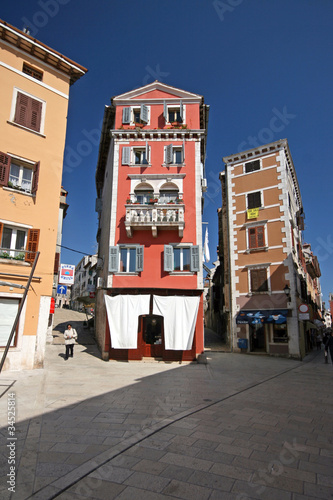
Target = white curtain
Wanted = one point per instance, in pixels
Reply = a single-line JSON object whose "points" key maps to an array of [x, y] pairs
{"points": [[123, 312], [180, 317]]}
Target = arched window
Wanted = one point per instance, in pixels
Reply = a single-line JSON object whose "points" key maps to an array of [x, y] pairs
{"points": [[143, 193], [168, 192]]}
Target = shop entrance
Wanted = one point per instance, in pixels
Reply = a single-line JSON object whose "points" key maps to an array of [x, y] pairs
{"points": [[151, 336], [257, 338]]}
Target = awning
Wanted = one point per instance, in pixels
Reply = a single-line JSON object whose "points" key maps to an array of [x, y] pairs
{"points": [[277, 316], [310, 325]]}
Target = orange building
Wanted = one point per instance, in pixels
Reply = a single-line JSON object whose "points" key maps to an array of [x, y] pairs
{"points": [[35, 81], [262, 221], [150, 184]]}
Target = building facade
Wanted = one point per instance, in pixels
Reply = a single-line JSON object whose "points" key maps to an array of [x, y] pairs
{"points": [[261, 251], [150, 183], [35, 82], [85, 280]]}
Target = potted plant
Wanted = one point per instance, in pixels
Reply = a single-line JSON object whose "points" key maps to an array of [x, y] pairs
{"points": [[139, 125]]}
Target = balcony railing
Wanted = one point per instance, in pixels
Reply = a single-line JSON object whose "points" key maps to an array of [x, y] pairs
{"points": [[159, 216]]}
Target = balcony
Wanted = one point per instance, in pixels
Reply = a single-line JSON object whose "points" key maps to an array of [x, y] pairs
{"points": [[161, 216]]}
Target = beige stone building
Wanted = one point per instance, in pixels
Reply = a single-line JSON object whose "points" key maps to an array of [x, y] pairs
{"points": [[35, 82], [261, 247]]}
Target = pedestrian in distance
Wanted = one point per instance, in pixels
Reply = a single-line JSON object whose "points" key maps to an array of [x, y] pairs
{"points": [[329, 345], [326, 336], [318, 341], [70, 337]]}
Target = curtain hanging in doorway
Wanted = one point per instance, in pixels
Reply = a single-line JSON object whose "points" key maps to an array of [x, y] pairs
{"points": [[180, 317], [123, 312]]}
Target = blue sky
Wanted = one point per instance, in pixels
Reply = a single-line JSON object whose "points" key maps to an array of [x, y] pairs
{"points": [[252, 60]]}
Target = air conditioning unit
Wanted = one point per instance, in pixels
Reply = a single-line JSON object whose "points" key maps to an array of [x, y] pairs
{"points": [[99, 282], [204, 184]]}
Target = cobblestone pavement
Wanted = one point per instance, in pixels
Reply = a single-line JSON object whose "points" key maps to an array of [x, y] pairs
{"points": [[239, 427]]}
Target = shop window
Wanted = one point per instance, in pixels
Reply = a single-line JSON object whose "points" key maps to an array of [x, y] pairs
{"points": [[280, 334]]}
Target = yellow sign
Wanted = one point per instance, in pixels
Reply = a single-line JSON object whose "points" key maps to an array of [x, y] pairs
{"points": [[253, 213]]}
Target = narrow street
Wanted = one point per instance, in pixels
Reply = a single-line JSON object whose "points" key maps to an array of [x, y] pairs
{"points": [[239, 427]]}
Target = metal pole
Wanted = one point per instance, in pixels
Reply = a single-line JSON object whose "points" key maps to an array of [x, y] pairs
{"points": [[19, 312]]}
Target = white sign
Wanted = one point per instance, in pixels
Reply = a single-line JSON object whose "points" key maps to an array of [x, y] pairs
{"points": [[303, 308], [303, 316], [67, 272]]}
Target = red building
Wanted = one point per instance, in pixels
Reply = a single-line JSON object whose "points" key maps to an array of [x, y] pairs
{"points": [[150, 184]]}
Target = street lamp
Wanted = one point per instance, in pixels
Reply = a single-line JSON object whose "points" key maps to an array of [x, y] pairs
{"points": [[287, 292]]}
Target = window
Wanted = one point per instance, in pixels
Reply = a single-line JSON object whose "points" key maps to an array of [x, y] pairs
{"points": [[173, 113], [181, 258], [254, 200], [135, 115], [251, 166], [174, 155], [140, 157], [258, 280], [18, 174], [280, 334], [135, 155], [28, 112], [126, 259], [35, 73], [256, 237], [144, 197], [168, 196], [18, 243]]}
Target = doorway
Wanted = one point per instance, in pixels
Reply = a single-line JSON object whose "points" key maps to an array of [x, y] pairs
{"points": [[151, 336], [257, 338]]}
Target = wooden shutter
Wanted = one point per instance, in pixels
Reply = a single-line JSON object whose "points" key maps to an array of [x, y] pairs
{"points": [[4, 168], [113, 259], [32, 245], [254, 200], [147, 152], [165, 111], [28, 112], [35, 178], [127, 115], [126, 155], [56, 263], [139, 258], [260, 236], [169, 153], [36, 115], [144, 113], [183, 151], [168, 258], [181, 110], [259, 280], [252, 238], [195, 261]]}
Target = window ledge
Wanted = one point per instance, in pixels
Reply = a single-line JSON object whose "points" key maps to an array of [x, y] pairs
{"points": [[125, 274], [26, 128], [173, 164], [268, 292], [14, 262], [139, 165], [181, 273], [259, 249], [13, 190]]}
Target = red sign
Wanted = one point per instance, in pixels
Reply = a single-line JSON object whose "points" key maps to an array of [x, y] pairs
{"points": [[52, 305], [92, 295]]}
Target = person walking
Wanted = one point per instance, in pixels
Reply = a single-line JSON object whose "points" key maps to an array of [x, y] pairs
{"points": [[326, 336], [329, 345], [70, 337]]}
